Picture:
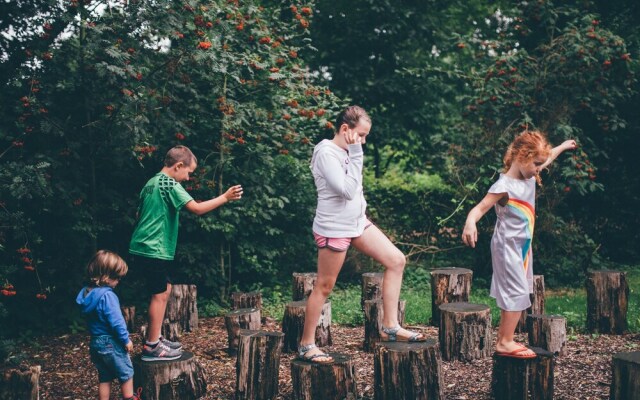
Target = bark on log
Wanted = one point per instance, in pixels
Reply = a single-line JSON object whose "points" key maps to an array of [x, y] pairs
{"points": [[373, 317], [625, 379], [522, 379], [129, 314], [293, 325], [405, 370], [334, 381], [181, 379], [537, 303], [181, 314], [246, 300], [548, 332], [258, 364], [302, 285], [371, 287], [448, 285], [244, 318], [465, 331], [20, 383], [607, 302]]}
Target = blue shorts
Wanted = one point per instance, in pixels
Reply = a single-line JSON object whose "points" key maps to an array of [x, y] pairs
{"points": [[111, 359]]}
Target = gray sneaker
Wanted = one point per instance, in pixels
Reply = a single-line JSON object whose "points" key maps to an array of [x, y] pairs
{"points": [[170, 344], [159, 353]]}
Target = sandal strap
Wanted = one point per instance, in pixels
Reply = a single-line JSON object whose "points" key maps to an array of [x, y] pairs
{"points": [[392, 332], [302, 350]]}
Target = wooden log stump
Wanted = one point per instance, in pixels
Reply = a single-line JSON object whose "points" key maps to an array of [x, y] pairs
{"points": [[181, 379], [522, 379], [465, 331], [537, 303], [448, 285], [371, 287], [246, 300], [548, 332], [607, 302], [373, 317], [244, 318], [181, 314], [129, 314], [625, 379], [302, 285], [405, 370], [293, 325], [258, 364], [334, 381], [20, 383]]}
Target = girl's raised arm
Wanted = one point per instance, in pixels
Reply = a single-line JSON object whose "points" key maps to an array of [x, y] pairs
{"points": [[556, 151]]}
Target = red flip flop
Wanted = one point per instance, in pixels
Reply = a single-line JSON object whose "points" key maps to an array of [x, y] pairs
{"points": [[517, 353]]}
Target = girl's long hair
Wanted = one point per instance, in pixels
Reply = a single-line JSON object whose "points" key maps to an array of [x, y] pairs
{"points": [[526, 146]]}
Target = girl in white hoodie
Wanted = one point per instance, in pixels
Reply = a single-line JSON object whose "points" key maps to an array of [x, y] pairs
{"points": [[341, 222]]}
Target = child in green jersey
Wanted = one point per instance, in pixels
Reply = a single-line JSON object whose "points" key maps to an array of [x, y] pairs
{"points": [[153, 243]]}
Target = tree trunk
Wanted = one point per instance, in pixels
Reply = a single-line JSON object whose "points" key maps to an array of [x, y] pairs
{"points": [[293, 325], [129, 314], [625, 379], [405, 370], [181, 379], [20, 383], [548, 332], [302, 284], [244, 318], [465, 331], [522, 379], [334, 381], [182, 310], [258, 364], [246, 300], [537, 303], [448, 285], [371, 287], [607, 301], [373, 317]]}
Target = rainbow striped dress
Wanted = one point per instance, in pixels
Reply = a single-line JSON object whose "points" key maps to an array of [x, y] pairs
{"points": [[511, 256]]}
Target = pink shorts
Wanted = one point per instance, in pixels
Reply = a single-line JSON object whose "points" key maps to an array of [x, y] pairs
{"points": [[335, 244]]}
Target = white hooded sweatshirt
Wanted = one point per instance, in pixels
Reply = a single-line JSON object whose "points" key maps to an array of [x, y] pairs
{"points": [[338, 176]]}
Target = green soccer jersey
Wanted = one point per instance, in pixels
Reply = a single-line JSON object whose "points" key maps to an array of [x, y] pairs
{"points": [[156, 233]]}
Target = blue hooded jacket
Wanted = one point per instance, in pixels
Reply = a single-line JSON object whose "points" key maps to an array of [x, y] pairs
{"points": [[101, 308]]}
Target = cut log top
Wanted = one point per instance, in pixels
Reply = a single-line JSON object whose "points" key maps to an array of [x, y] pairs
{"points": [[605, 271], [631, 357], [545, 316], [338, 358], [540, 352], [242, 311], [463, 307], [451, 271], [403, 347], [299, 303], [259, 333], [305, 274]]}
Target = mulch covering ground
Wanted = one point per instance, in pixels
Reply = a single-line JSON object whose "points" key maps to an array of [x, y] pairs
{"points": [[583, 372]]}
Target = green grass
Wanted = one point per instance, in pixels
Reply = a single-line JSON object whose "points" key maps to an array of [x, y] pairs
{"points": [[570, 303]]}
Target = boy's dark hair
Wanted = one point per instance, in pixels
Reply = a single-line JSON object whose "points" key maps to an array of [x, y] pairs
{"points": [[351, 116], [178, 154]]}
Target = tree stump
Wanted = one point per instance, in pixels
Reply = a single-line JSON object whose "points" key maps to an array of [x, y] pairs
{"points": [[371, 287], [404, 370], [302, 285], [258, 364], [607, 301], [537, 303], [20, 383], [373, 317], [625, 379], [246, 300], [448, 285], [181, 379], [522, 379], [293, 325], [129, 314], [334, 381], [465, 331], [548, 332], [244, 318]]}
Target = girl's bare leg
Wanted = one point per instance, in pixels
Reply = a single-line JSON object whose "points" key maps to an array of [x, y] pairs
{"points": [[329, 266], [377, 245], [508, 322]]}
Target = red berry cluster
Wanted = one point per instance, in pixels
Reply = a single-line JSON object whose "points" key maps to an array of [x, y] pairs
{"points": [[26, 258], [8, 290]]}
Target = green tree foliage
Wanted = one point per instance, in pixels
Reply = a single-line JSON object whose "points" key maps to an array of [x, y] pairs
{"points": [[94, 107]]}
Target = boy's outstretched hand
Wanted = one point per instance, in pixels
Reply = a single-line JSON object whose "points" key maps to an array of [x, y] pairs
{"points": [[233, 193]]}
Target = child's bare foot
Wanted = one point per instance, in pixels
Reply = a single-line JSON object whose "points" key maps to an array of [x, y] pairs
{"points": [[514, 349], [312, 353], [400, 334]]}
